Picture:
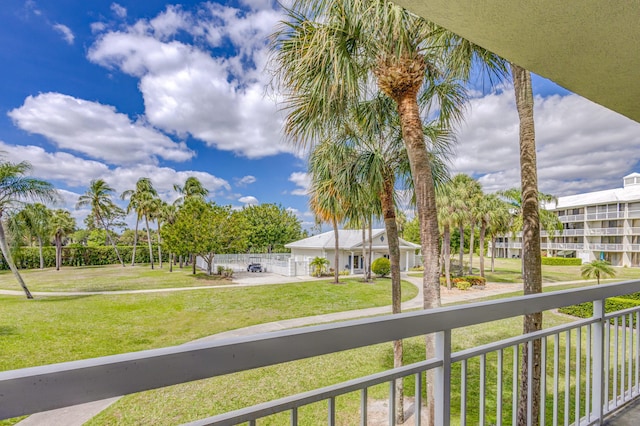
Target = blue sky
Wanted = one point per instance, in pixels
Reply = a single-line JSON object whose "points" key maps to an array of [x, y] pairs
{"points": [[121, 90]]}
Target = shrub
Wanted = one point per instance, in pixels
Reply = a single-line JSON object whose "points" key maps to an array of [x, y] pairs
{"points": [[381, 266], [344, 272], [417, 268], [475, 280], [585, 310], [562, 261], [463, 285], [220, 269], [228, 272]]}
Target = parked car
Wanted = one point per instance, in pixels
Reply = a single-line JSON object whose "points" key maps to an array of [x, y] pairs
{"points": [[254, 267]]}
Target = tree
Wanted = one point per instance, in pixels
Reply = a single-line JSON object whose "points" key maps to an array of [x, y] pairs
{"points": [[494, 221], [272, 226], [319, 265], [166, 215], [103, 209], [62, 225], [139, 202], [596, 269], [192, 188], [205, 229], [14, 188], [381, 266], [34, 219]]}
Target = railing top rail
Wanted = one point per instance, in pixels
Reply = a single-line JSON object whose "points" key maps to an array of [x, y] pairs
{"points": [[43, 388]]}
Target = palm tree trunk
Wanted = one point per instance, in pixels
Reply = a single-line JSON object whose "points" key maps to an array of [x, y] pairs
{"points": [[483, 230], [40, 251], [364, 249], [493, 253], [58, 250], [146, 223], [461, 252], [104, 225], [336, 258], [471, 242], [370, 254], [159, 248], [428, 218], [446, 243], [135, 242], [7, 256], [532, 266], [391, 226], [171, 262]]}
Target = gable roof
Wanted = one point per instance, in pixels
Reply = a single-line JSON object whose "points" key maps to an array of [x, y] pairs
{"points": [[348, 239]]}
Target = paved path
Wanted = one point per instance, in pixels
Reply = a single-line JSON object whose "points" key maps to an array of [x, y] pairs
{"points": [[79, 414]]}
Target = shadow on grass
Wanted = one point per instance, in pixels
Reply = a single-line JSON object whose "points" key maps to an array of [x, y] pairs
{"points": [[8, 330], [48, 299], [218, 279]]}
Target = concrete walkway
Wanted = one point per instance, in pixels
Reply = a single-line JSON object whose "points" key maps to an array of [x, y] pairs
{"points": [[79, 414]]}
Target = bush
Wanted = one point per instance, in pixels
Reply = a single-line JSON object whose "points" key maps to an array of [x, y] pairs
{"points": [[417, 268], [220, 269], [344, 272], [562, 261], [381, 266], [475, 280], [585, 310], [463, 285]]}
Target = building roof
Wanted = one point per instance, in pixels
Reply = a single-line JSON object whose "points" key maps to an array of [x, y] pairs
{"points": [[629, 192], [348, 239], [589, 48]]}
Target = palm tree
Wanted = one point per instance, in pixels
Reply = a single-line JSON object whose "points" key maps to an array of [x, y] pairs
{"points": [[136, 197], [62, 224], [493, 213], [103, 209], [192, 188], [319, 265], [596, 269], [14, 188], [35, 218], [167, 215]]}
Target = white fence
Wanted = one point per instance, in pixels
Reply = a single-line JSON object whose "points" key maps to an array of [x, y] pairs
{"points": [[280, 263]]}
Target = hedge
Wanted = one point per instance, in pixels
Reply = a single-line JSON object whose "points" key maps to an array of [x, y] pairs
{"points": [[77, 255], [469, 279], [585, 310], [562, 261]]}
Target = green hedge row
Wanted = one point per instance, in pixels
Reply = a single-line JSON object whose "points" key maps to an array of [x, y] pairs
{"points": [[470, 279], [562, 261], [29, 257], [585, 310]]}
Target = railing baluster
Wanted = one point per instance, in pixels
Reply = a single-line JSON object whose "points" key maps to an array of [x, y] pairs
{"points": [[252, 423], [463, 393], [543, 379], [332, 411], [499, 389], [599, 371], [417, 409], [392, 403], [443, 378], [483, 371], [294, 416], [567, 375], [637, 328], [614, 393], [587, 373], [607, 362], [514, 386], [623, 358], [578, 367], [556, 376], [363, 407], [630, 357], [529, 346]]}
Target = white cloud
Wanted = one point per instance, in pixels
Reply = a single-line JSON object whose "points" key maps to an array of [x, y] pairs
{"points": [[220, 100], [119, 10], [302, 181], [245, 180], [96, 130], [581, 146], [249, 200], [66, 32]]}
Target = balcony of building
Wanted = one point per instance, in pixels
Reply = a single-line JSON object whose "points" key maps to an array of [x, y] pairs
{"points": [[590, 368]]}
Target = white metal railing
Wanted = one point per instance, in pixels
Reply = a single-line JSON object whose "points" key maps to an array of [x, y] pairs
{"points": [[562, 246], [606, 247], [572, 218], [603, 372], [635, 230], [605, 215], [605, 231]]}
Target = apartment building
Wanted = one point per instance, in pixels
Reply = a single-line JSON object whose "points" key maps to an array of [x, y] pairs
{"points": [[596, 225]]}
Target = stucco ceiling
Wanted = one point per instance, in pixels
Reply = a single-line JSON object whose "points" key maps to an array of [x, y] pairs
{"points": [[589, 47]]}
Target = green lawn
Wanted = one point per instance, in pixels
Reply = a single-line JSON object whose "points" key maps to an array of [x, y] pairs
{"points": [[108, 278], [508, 271]]}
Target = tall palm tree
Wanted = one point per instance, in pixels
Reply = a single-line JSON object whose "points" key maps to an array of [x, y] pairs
{"points": [[136, 197], [62, 224], [491, 210], [15, 187], [192, 188], [148, 206], [167, 215], [103, 209]]}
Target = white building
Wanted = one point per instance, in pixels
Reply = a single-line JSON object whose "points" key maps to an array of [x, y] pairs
{"points": [[350, 248], [596, 225]]}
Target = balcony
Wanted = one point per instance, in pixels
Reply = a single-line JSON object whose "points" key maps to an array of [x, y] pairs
{"points": [[562, 246], [571, 218], [590, 367], [605, 215], [605, 231], [606, 247]]}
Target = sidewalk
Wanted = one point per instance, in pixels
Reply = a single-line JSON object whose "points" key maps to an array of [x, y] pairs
{"points": [[79, 414]]}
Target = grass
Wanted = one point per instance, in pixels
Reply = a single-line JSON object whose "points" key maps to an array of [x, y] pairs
{"points": [[108, 278], [509, 271]]}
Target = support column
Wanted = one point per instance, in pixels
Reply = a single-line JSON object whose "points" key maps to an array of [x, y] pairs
{"points": [[351, 261]]}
